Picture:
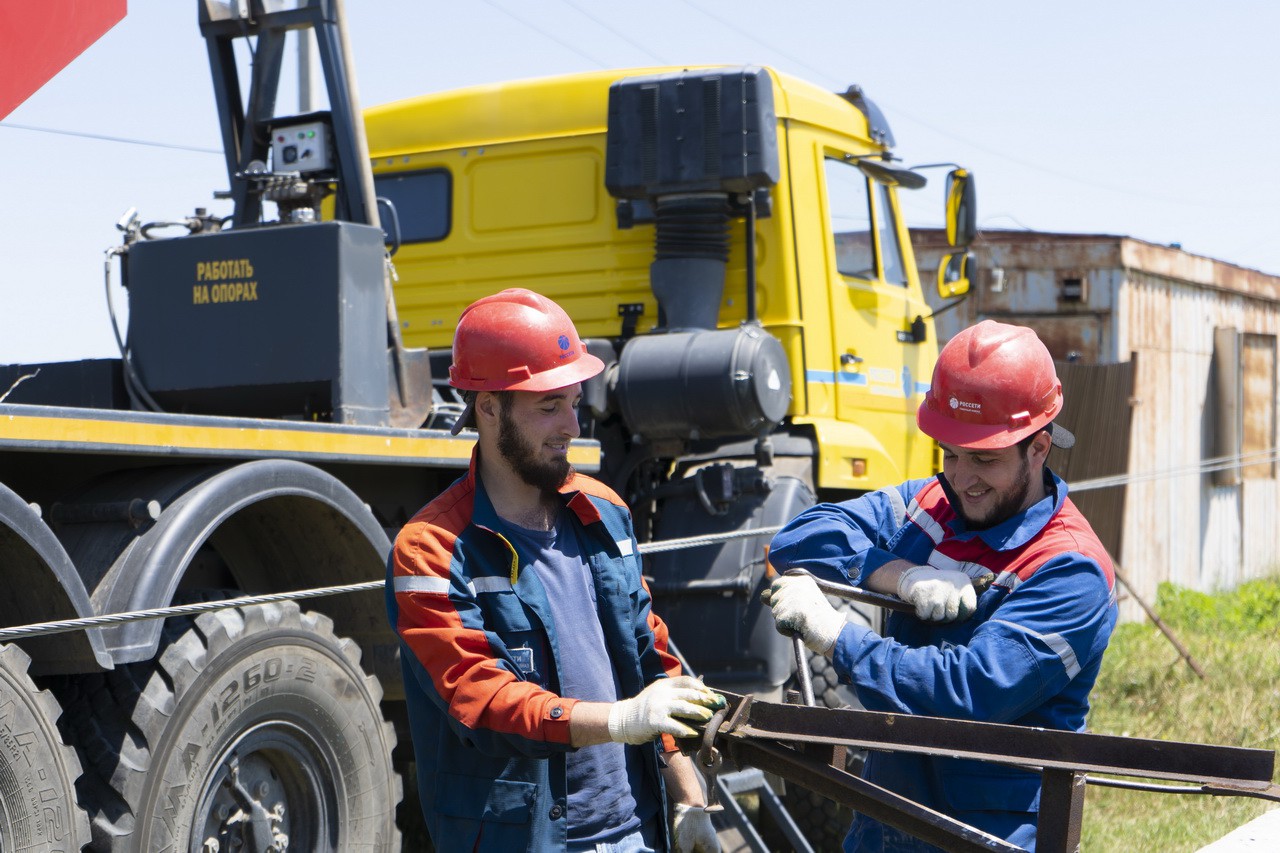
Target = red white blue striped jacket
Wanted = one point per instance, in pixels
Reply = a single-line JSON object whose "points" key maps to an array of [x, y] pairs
{"points": [[490, 729], [1029, 656]]}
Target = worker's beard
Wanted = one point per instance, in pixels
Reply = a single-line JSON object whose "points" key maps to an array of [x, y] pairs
{"points": [[1009, 504], [522, 455]]}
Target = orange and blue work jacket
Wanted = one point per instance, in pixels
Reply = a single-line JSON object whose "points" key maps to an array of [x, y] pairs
{"points": [[478, 651], [1028, 656]]}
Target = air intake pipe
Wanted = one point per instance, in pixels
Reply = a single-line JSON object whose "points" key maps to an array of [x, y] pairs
{"points": [[688, 145], [690, 255]]}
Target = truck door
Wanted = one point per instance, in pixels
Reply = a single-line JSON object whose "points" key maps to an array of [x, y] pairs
{"points": [[875, 362]]}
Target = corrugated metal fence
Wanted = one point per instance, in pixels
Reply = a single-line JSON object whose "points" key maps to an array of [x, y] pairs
{"points": [[1097, 407]]}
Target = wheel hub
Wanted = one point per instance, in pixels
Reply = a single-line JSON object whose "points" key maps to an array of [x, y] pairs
{"points": [[268, 791]]}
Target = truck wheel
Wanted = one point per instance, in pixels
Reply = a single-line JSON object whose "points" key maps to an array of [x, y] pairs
{"points": [[824, 822], [253, 729], [38, 810]]}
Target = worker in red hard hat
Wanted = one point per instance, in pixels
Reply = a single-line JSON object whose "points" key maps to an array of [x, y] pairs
{"points": [[1013, 594], [542, 698]]}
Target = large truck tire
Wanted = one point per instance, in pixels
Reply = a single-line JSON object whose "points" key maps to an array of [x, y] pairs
{"points": [[38, 810], [252, 729], [825, 822]]}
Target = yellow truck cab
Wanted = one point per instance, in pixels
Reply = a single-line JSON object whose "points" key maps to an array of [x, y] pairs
{"points": [[506, 185]]}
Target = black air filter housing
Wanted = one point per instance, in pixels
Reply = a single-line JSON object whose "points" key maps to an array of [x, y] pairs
{"points": [[692, 131], [703, 384]]}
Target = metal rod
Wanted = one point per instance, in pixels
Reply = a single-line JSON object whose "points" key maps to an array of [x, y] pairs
{"points": [[703, 586], [1159, 623], [135, 512], [751, 257], [1200, 790], [802, 671], [869, 799], [853, 593]]}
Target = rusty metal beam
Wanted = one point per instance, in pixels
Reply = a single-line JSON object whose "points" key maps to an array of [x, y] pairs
{"points": [[787, 740], [1236, 769], [1061, 811], [872, 800]]}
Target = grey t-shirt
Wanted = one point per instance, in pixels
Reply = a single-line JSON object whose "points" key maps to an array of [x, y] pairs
{"points": [[606, 793]]}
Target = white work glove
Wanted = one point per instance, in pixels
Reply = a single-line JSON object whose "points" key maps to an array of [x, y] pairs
{"points": [[692, 832], [939, 595], [799, 607], [657, 710]]}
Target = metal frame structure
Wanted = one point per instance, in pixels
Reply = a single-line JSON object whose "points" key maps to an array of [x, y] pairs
{"points": [[245, 128], [805, 746]]}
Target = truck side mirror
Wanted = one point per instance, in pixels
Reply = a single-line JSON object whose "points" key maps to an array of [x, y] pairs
{"points": [[953, 274], [962, 208]]}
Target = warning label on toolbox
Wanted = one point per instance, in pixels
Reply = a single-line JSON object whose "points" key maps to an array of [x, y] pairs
{"points": [[231, 279]]}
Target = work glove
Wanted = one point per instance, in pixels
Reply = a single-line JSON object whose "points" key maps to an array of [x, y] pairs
{"points": [[800, 608], [939, 595], [692, 832], [659, 709]]}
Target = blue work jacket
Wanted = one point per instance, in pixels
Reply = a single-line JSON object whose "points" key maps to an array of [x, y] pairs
{"points": [[481, 670], [1029, 655]]}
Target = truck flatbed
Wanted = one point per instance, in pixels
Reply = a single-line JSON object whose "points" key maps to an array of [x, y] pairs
{"points": [[109, 432]]}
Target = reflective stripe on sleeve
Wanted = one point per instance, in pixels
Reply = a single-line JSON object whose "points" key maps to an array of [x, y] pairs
{"points": [[942, 561], [440, 586], [896, 504], [489, 584], [925, 522], [417, 583], [1056, 643], [1008, 580]]}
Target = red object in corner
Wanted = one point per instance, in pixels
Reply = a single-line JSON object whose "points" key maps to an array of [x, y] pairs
{"points": [[38, 38]]}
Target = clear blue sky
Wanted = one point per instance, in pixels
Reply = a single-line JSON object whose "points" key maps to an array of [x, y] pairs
{"points": [[1157, 120]]}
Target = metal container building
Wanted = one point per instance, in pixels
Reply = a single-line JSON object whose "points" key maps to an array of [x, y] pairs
{"points": [[1168, 362]]}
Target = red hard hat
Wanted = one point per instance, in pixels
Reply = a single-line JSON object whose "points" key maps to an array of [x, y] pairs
{"points": [[518, 340], [994, 385]]}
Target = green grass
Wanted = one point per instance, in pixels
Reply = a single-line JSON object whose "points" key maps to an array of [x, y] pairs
{"points": [[1147, 690]]}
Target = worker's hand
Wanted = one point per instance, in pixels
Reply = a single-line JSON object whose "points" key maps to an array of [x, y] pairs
{"points": [[661, 708], [939, 595], [692, 832], [799, 607]]}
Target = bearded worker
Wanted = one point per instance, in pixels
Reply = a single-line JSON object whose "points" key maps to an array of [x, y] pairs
{"points": [[1025, 651], [541, 696]]}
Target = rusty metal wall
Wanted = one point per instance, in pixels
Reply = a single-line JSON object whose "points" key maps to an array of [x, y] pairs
{"points": [[1260, 551], [1064, 286], [1193, 533]]}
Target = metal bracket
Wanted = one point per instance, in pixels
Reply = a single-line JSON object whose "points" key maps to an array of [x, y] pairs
{"points": [[630, 312]]}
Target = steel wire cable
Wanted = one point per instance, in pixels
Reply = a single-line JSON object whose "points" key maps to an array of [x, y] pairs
{"points": [[1221, 463], [63, 626]]}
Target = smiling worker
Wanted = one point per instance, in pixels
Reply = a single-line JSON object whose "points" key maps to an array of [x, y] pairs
{"points": [[526, 625], [1025, 651]]}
